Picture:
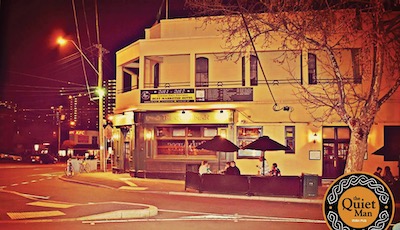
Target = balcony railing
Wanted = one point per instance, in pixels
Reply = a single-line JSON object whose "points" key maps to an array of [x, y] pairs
{"points": [[217, 84]]}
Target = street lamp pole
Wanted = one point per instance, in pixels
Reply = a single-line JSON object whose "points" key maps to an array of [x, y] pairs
{"points": [[99, 71]]}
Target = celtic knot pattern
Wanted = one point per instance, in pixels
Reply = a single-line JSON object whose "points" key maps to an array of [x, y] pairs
{"points": [[333, 218], [363, 180], [354, 180]]}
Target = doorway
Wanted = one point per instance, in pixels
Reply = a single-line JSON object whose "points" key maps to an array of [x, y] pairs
{"points": [[336, 147]]}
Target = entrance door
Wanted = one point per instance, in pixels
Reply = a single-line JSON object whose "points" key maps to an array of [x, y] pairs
{"points": [[336, 145]]}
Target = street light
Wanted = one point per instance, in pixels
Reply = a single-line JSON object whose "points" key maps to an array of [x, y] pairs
{"points": [[61, 41]]}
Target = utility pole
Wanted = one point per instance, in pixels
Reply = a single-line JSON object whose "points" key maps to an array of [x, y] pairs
{"points": [[100, 92], [59, 118], [103, 160]]}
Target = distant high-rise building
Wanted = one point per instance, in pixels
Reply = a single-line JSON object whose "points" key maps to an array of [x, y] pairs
{"points": [[83, 112], [109, 100]]}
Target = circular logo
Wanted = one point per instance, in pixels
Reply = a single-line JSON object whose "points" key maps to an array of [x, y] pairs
{"points": [[358, 201], [145, 95]]}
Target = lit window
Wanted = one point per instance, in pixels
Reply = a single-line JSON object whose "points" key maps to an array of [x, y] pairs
{"points": [[290, 138]]}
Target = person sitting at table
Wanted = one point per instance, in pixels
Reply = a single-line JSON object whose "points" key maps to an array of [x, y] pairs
{"points": [[204, 168], [232, 169], [275, 170], [388, 176], [378, 172], [227, 165]]}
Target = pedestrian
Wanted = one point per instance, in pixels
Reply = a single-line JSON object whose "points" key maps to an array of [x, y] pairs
{"points": [[204, 168], [275, 171], [378, 172], [263, 166], [232, 169]]}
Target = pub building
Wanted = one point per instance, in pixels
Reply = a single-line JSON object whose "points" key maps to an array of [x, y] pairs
{"points": [[174, 92]]}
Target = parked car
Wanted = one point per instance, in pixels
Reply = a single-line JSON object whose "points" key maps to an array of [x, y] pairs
{"points": [[10, 156], [43, 159]]}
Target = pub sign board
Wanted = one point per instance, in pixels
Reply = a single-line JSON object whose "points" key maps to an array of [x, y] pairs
{"points": [[198, 95]]}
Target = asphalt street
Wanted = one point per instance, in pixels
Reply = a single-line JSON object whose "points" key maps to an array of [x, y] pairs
{"points": [[41, 197]]}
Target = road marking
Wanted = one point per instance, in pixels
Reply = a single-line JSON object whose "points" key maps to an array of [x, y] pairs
{"points": [[132, 186], [29, 196], [14, 185], [130, 183], [33, 181], [29, 215], [1, 187], [50, 204], [25, 182]]}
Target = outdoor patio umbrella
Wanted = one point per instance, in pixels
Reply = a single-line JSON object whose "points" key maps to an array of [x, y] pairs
{"points": [[218, 144], [265, 143]]}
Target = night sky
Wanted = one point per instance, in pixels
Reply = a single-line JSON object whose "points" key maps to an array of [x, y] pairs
{"points": [[33, 67]]}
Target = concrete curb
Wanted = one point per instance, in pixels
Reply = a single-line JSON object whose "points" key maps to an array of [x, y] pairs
{"points": [[241, 197], [147, 212], [84, 182], [221, 196]]}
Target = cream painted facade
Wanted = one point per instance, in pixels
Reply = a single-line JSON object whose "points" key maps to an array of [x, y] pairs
{"points": [[162, 67]]}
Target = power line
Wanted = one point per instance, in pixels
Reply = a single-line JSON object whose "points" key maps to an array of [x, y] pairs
{"points": [[80, 46], [255, 51], [45, 78]]}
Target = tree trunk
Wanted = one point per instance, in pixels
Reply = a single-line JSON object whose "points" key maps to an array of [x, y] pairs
{"points": [[358, 148]]}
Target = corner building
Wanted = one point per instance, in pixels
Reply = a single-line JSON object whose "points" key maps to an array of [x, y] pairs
{"points": [[174, 92]]}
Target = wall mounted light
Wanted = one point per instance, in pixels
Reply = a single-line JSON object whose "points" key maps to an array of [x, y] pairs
{"points": [[221, 111], [148, 135], [183, 112], [315, 138]]}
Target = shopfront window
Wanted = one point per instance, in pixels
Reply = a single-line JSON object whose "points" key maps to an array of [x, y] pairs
{"points": [[182, 140], [290, 138], [246, 135]]}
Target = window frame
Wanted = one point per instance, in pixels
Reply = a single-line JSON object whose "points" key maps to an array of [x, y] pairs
{"points": [[253, 70], [156, 75], [202, 71], [290, 140], [312, 69]]}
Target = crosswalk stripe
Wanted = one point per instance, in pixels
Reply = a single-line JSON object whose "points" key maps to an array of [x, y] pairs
{"points": [[50, 204], [29, 215]]}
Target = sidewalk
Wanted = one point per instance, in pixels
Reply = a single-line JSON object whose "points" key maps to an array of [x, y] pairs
{"points": [[172, 187]]}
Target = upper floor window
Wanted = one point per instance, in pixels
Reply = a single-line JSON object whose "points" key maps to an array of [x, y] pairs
{"points": [[312, 69], [243, 71], [253, 70], [201, 72], [127, 81], [355, 57], [156, 75]]}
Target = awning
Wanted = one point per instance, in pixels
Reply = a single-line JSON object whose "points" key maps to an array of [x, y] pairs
{"points": [[390, 152]]}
